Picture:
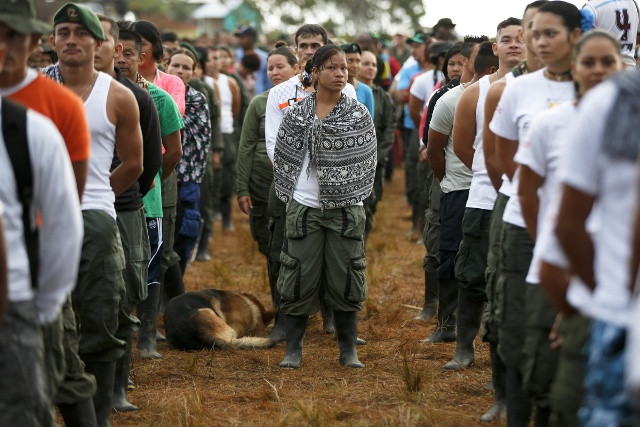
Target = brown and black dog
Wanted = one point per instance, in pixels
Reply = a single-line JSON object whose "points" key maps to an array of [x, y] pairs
{"points": [[214, 318]]}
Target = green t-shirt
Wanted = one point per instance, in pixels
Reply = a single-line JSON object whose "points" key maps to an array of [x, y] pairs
{"points": [[170, 122]]}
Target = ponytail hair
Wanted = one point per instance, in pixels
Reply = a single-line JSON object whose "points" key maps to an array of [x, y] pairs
{"points": [[319, 58]]}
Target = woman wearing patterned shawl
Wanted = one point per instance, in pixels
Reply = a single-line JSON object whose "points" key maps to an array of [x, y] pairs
{"points": [[196, 136], [324, 167]]}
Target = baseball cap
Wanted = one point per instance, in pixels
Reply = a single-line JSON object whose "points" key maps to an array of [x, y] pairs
{"points": [[445, 22], [247, 31], [419, 37], [79, 14], [20, 16]]}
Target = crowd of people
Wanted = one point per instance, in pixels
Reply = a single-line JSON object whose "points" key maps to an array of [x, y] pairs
{"points": [[123, 144]]}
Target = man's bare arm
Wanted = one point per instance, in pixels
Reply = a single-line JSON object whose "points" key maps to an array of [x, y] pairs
{"points": [[122, 104], [172, 144], [80, 170], [530, 182], [464, 125], [435, 152], [488, 137]]}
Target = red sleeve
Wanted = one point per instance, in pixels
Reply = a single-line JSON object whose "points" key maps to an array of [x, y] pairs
{"points": [[394, 66]]}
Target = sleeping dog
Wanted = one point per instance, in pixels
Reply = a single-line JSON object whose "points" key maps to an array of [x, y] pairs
{"points": [[214, 318]]}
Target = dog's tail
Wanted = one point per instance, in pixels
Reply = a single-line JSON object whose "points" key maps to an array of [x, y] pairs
{"points": [[252, 342]]}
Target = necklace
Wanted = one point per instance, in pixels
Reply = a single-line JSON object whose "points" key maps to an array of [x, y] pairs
{"points": [[555, 98], [88, 89], [559, 77]]}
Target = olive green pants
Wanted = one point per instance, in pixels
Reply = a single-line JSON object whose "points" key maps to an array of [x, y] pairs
{"points": [[323, 257], [567, 390], [493, 308]]}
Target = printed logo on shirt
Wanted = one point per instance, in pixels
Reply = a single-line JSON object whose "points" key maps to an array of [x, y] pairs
{"points": [[290, 102]]}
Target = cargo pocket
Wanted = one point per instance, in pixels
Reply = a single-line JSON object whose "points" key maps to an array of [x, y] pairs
{"points": [[190, 226], [289, 278], [463, 268], [137, 272], [355, 290], [353, 222], [296, 221]]}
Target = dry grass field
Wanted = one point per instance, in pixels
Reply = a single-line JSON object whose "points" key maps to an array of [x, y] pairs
{"points": [[403, 383]]}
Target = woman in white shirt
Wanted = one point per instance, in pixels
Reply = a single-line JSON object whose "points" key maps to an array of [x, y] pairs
{"points": [[555, 30], [596, 56]]}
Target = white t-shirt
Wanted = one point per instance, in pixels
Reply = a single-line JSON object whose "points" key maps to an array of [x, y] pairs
{"points": [[523, 99], [423, 85], [614, 184], [620, 19], [456, 176], [548, 249], [482, 195], [281, 97], [540, 152], [55, 197]]}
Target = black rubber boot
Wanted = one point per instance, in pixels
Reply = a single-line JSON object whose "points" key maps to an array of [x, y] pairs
{"points": [[447, 303], [121, 381], [147, 312], [430, 307], [347, 331], [518, 404], [173, 283], [499, 409], [105, 373], [295, 327], [469, 317], [278, 333], [79, 414], [327, 318]]}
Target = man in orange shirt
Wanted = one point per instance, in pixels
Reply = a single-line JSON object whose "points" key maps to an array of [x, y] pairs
{"points": [[21, 32]]}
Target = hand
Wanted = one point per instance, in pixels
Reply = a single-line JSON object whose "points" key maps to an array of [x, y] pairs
{"points": [[244, 202], [215, 160], [423, 158], [554, 335]]}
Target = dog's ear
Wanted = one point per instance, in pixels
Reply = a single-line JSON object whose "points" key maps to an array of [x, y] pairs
{"points": [[268, 315]]}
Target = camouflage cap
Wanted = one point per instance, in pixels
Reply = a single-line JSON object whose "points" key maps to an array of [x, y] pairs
{"points": [[79, 14]]}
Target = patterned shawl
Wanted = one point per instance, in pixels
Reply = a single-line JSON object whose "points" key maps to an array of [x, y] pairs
{"points": [[342, 146], [622, 124]]}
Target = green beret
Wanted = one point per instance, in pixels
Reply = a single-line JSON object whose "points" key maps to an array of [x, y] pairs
{"points": [[79, 14], [351, 48]]}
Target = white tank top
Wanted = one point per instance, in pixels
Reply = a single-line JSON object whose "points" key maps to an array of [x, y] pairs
{"points": [[97, 191], [481, 194], [226, 101]]}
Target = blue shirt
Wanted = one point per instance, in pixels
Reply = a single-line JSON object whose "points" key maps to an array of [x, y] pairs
{"points": [[262, 81], [364, 94], [404, 81]]}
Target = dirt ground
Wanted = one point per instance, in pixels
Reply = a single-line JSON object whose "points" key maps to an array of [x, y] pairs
{"points": [[403, 383]]}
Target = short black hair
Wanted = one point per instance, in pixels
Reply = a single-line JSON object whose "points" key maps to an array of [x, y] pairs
{"points": [[535, 5], [170, 36], [485, 58], [469, 43], [251, 61], [508, 22], [126, 34], [312, 30]]}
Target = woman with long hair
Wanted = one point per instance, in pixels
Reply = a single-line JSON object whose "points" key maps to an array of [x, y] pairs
{"points": [[555, 30], [324, 166], [196, 138], [596, 56]]}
